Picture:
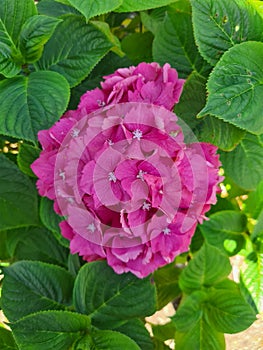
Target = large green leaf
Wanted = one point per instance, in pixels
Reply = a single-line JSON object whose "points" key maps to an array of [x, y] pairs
{"points": [[252, 278], [10, 57], [228, 312], [35, 32], [136, 330], [244, 165], [209, 266], [177, 46], [29, 104], [23, 244], [109, 298], [51, 220], [224, 227], [235, 87], [26, 156], [141, 5], [4, 252], [7, 341], [166, 280], [220, 24], [92, 8], [81, 46], [54, 8], [18, 197], [31, 286], [49, 330], [14, 13]]}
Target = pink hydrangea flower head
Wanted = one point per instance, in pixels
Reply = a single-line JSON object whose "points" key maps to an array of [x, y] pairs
{"points": [[117, 168]]}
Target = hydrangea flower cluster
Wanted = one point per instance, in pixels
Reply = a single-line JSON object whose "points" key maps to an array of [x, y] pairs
{"points": [[118, 170]]}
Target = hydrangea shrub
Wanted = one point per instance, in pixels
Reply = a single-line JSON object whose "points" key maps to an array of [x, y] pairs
{"points": [[131, 170]]}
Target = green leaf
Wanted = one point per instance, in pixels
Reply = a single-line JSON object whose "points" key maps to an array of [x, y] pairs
{"points": [[35, 33], [26, 156], [235, 88], [258, 228], [166, 280], [14, 13], [10, 57], [49, 330], [164, 332], [51, 220], [54, 8], [105, 29], [177, 46], [92, 8], [244, 165], [138, 47], [224, 135], [7, 341], [252, 278], [23, 244], [31, 286], [220, 24], [81, 47], [225, 226], [228, 312], [136, 330], [4, 253], [109, 298], [18, 197], [190, 311], [141, 5], [33, 103], [110, 340], [201, 336], [208, 267]]}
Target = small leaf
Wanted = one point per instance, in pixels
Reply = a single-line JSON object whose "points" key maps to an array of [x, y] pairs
{"points": [[254, 202], [141, 5], [228, 312], [14, 13], [177, 46], [235, 88], [92, 8], [152, 20], [81, 47], [110, 340], [220, 24], [109, 298], [49, 330], [136, 330], [7, 341], [26, 156], [45, 286], [33, 103], [8, 65], [244, 165], [18, 197], [226, 225], [164, 332], [209, 266], [35, 33]]}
